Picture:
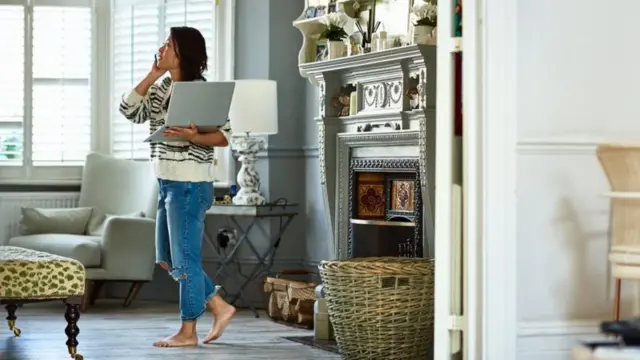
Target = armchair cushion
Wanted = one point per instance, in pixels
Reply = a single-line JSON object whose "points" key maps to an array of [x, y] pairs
{"points": [[85, 249], [54, 221], [98, 220]]}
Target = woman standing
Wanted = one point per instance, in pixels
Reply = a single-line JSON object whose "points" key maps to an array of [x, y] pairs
{"points": [[185, 176]]}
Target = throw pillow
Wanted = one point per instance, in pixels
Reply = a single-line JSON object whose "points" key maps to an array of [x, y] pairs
{"points": [[71, 221], [99, 220]]}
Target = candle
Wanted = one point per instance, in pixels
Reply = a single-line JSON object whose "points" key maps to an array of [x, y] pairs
{"points": [[381, 42], [353, 103]]}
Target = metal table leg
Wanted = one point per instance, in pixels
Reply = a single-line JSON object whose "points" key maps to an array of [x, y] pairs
{"points": [[261, 267]]}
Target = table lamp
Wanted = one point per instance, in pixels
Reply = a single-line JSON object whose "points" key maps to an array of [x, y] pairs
{"points": [[253, 115]]}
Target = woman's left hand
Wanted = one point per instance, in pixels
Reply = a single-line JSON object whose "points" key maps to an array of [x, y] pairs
{"points": [[187, 134]]}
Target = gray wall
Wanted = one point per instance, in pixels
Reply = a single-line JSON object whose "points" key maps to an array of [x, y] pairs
{"points": [[293, 162]]}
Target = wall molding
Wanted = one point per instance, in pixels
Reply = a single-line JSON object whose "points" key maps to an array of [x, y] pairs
{"points": [[289, 153], [554, 340], [311, 263], [528, 329], [555, 146]]}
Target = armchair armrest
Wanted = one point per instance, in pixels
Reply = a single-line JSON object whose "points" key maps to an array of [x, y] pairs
{"points": [[128, 249]]}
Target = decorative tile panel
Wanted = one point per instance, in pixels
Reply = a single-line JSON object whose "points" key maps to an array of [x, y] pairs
{"points": [[382, 96]]}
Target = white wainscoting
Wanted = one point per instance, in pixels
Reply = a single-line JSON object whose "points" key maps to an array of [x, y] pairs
{"points": [[11, 203], [553, 340], [564, 289]]}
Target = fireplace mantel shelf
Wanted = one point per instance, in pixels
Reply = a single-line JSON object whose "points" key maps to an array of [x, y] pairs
{"points": [[313, 70], [379, 116]]}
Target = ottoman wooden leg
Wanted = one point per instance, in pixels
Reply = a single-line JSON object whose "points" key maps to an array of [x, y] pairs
{"points": [[11, 318], [72, 315]]}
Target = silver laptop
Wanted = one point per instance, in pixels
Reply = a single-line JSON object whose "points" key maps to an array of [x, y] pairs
{"points": [[205, 104]]}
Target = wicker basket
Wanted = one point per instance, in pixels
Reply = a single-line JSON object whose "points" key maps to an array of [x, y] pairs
{"points": [[380, 308]]}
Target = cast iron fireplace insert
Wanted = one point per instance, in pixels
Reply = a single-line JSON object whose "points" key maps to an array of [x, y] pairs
{"points": [[385, 207]]}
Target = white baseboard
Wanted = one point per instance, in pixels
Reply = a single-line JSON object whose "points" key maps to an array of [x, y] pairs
{"points": [[554, 340]]}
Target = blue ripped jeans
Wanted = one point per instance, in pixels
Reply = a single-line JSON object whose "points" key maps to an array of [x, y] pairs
{"points": [[179, 231]]}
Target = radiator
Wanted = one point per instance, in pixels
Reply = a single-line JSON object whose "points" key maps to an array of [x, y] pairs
{"points": [[11, 203]]}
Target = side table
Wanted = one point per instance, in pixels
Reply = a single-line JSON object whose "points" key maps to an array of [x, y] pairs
{"points": [[285, 212]]}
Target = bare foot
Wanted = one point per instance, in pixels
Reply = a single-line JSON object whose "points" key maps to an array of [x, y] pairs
{"points": [[221, 317], [178, 340]]}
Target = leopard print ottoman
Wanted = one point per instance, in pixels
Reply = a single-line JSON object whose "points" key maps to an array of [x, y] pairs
{"points": [[30, 276]]}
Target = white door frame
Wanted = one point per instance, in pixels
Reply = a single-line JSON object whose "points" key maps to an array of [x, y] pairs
{"points": [[490, 100], [443, 184], [489, 151]]}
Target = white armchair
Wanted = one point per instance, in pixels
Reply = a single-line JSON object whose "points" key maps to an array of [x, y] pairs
{"points": [[621, 163], [121, 196]]}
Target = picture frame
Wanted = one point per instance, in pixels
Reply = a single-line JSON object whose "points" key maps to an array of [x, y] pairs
{"points": [[310, 12], [321, 52], [321, 10], [401, 196], [394, 16]]}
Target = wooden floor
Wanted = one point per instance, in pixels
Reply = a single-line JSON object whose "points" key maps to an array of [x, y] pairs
{"points": [[107, 331]]}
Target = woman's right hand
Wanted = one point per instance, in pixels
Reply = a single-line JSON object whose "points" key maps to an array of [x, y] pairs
{"points": [[156, 72]]}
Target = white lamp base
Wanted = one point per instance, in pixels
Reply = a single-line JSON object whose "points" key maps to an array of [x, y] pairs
{"points": [[248, 178]]}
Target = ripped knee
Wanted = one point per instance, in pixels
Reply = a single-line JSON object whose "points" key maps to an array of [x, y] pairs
{"points": [[178, 274]]}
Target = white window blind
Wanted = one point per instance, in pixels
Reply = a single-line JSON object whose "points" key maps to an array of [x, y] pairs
{"points": [[136, 38], [194, 13], [12, 87], [61, 90], [139, 28]]}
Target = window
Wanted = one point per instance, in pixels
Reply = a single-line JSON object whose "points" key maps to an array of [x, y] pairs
{"points": [[12, 89], [139, 28], [71, 60], [47, 103]]}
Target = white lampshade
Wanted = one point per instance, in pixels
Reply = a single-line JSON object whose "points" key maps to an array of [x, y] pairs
{"points": [[254, 108]]}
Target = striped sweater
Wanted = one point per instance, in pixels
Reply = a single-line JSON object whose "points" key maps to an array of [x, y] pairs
{"points": [[177, 161]]}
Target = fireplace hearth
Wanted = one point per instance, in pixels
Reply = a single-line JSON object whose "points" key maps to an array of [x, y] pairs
{"points": [[385, 207]]}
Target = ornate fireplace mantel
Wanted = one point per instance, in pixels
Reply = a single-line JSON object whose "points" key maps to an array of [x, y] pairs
{"points": [[394, 117]]}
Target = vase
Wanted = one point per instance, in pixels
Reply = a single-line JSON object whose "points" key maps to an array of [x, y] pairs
{"points": [[336, 49], [422, 34]]}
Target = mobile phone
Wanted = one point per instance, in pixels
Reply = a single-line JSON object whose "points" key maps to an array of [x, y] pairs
{"points": [[155, 57]]}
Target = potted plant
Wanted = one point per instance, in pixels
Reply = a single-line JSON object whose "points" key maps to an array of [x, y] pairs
{"points": [[424, 16], [335, 34], [10, 147]]}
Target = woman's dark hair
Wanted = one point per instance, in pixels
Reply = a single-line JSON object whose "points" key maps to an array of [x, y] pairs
{"points": [[191, 50]]}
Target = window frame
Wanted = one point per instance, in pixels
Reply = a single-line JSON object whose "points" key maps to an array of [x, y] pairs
{"points": [[223, 70], [27, 173]]}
